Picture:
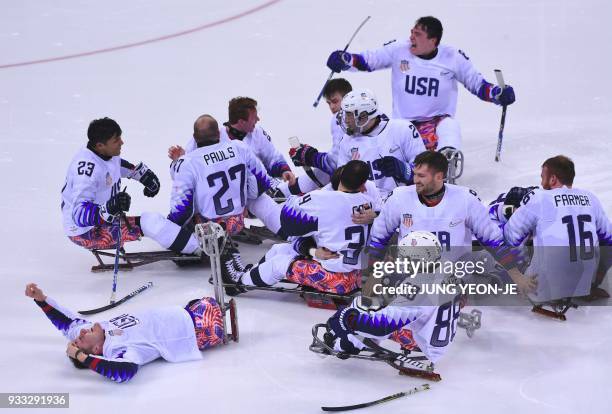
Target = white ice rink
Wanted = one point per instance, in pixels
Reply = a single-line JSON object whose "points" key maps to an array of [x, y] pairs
{"points": [[554, 53]]}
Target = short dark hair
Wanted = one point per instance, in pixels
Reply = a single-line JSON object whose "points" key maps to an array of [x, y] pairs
{"points": [[239, 107], [434, 160], [432, 26], [335, 178], [338, 85], [562, 167], [354, 174], [77, 364], [101, 130], [209, 133]]}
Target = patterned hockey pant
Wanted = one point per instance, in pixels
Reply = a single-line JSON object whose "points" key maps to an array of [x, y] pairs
{"points": [[104, 236], [207, 321], [310, 273], [428, 132], [232, 224], [404, 338]]}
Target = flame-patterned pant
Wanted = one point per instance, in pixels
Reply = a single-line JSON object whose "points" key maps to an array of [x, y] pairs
{"points": [[104, 236], [207, 321], [428, 132], [232, 224], [310, 273], [404, 338]]}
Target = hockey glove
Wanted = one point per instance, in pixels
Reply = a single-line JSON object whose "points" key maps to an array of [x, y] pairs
{"points": [[303, 155], [340, 335], [513, 199], [117, 204], [148, 178], [390, 166], [339, 61], [503, 96]]}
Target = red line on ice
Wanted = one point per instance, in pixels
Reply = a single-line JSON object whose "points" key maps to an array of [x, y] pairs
{"points": [[144, 42]]}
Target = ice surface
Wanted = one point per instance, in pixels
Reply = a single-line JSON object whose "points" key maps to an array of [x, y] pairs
{"points": [[552, 52]]}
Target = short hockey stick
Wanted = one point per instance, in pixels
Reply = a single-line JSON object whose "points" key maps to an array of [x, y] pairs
{"points": [[392, 397], [500, 135], [116, 266], [316, 102], [119, 302]]}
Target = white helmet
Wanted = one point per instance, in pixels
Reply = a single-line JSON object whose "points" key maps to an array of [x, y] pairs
{"points": [[357, 109], [420, 245]]}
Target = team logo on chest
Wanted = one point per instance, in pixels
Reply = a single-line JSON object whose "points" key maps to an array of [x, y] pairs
{"points": [[109, 179], [355, 154], [404, 66], [407, 220]]}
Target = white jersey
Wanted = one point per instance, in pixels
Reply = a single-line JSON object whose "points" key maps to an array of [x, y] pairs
{"points": [[261, 144], [454, 220], [141, 337], [433, 327], [327, 216], [216, 181], [335, 130], [567, 225], [422, 88], [371, 191], [90, 183], [398, 138]]}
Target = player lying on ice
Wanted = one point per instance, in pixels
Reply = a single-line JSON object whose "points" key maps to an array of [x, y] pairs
{"points": [[332, 226], [116, 348]]}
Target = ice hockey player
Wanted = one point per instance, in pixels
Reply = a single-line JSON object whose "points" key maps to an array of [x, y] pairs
{"points": [[388, 146], [424, 76], [333, 92], [92, 199], [428, 329], [568, 226], [116, 348], [217, 181], [242, 126], [328, 261], [453, 213]]}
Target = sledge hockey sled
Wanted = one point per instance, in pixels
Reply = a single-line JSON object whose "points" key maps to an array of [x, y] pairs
{"points": [[557, 310], [210, 235], [137, 259], [407, 363]]}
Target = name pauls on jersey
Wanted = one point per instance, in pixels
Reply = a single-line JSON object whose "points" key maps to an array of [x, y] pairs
{"points": [[572, 200], [218, 156]]}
